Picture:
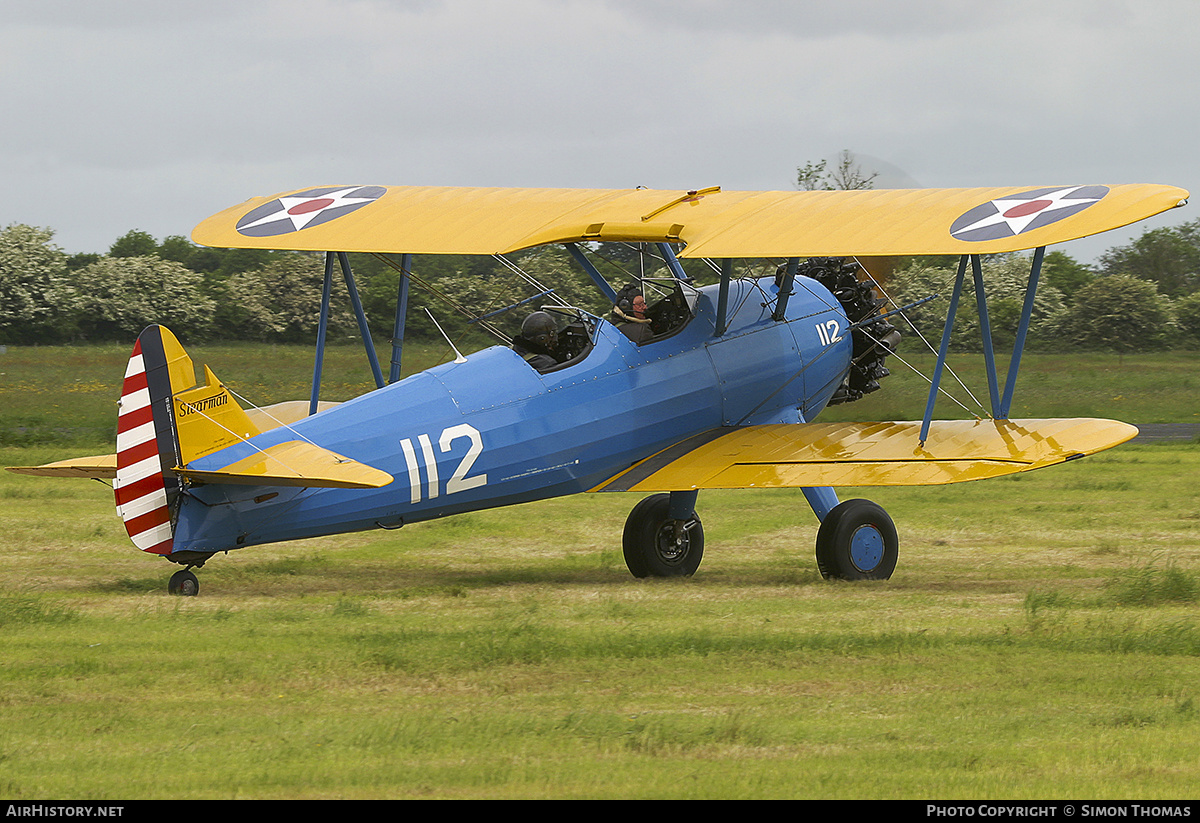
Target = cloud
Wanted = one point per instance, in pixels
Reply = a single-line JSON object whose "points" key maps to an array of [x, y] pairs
{"points": [[150, 115]]}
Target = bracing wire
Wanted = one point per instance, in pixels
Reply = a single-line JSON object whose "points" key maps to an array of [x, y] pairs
{"points": [[263, 411], [941, 391], [242, 438]]}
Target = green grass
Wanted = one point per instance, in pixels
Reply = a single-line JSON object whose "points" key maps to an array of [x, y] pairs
{"points": [[1040, 639], [67, 395], [1160, 387]]}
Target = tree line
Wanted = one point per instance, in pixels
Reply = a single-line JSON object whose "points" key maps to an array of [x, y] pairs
{"points": [[1141, 296], [1133, 299], [49, 297]]}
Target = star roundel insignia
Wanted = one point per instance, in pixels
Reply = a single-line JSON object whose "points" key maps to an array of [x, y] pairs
{"points": [[306, 209], [1019, 213]]}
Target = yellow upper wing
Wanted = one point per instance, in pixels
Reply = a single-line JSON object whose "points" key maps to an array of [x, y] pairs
{"points": [[867, 454], [712, 223]]}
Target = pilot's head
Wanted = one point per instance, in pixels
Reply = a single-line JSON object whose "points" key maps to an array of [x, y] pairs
{"points": [[540, 329], [639, 306]]}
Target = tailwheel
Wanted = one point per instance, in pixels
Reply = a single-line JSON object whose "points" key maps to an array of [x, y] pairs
{"points": [[857, 541], [184, 583], [656, 545]]}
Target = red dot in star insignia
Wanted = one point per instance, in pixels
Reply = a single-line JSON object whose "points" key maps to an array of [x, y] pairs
{"points": [[1025, 209], [310, 206]]}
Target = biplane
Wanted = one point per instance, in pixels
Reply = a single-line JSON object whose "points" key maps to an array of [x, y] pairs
{"points": [[719, 388]]}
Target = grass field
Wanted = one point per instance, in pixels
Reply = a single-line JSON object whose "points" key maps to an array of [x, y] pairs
{"points": [[63, 395], [1039, 640]]}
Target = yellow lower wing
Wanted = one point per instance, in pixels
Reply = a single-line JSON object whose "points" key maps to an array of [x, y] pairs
{"points": [[867, 454]]}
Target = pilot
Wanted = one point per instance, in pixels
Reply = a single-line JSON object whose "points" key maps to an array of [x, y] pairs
{"points": [[632, 320], [538, 341]]}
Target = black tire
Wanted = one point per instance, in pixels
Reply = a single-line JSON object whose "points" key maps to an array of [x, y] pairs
{"points": [[857, 541], [184, 583], [651, 549]]}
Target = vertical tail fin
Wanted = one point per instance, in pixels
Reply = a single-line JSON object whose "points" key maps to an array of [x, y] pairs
{"points": [[165, 421], [145, 486]]}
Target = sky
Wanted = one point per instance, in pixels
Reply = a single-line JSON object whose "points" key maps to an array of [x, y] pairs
{"points": [[153, 114]]}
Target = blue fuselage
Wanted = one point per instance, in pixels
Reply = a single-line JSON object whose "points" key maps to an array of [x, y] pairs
{"points": [[492, 431]]}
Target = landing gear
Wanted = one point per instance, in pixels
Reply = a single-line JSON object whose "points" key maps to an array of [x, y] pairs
{"points": [[184, 583], [857, 541], [658, 544]]}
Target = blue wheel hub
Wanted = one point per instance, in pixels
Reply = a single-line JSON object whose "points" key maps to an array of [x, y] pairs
{"points": [[866, 548]]}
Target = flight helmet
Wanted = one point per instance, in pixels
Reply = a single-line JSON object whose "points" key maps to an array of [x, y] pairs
{"points": [[539, 328]]}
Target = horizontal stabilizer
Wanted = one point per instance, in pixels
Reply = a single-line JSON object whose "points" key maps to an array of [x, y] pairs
{"points": [[867, 454], [104, 466], [294, 463], [100, 467]]}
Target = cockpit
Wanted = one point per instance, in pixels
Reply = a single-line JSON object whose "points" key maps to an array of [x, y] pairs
{"points": [[654, 308], [547, 347]]}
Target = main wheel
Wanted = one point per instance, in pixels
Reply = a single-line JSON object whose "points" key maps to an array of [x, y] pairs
{"points": [[184, 583], [657, 546], [857, 541]]}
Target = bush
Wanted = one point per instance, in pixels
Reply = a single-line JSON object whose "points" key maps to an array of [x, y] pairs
{"points": [[1119, 314], [33, 287], [1169, 257], [1187, 317], [281, 302], [1005, 280], [116, 297]]}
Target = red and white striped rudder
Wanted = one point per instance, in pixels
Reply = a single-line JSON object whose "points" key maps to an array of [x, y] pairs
{"points": [[146, 486]]}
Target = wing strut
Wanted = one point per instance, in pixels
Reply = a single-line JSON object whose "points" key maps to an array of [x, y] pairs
{"points": [[1026, 314], [723, 296], [672, 261], [985, 331], [945, 345], [592, 272], [785, 288], [401, 314], [1000, 404], [323, 325]]}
